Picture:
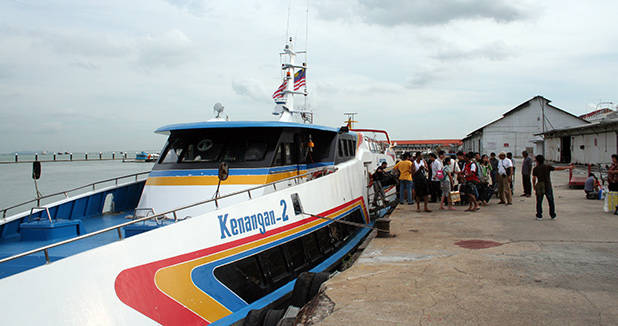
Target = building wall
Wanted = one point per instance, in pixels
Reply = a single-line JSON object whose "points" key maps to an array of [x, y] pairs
{"points": [[473, 144], [516, 131], [552, 149], [606, 145]]}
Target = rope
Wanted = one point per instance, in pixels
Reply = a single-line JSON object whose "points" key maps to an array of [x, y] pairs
{"points": [[360, 225]]}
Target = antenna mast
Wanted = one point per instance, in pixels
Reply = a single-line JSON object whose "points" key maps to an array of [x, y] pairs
{"points": [[285, 101]]}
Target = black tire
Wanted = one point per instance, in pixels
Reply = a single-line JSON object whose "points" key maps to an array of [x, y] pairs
{"points": [[255, 318], [272, 317], [316, 282], [301, 289]]}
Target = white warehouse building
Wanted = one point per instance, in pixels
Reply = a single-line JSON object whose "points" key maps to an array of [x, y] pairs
{"points": [[521, 128], [592, 143]]}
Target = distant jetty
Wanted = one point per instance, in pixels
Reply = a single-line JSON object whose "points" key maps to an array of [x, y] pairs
{"points": [[70, 157]]}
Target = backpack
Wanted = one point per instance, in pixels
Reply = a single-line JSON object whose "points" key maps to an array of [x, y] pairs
{"points": [[440, 175]]}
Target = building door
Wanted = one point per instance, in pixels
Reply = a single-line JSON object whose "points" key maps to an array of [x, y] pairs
{"points": [[565, 149]]}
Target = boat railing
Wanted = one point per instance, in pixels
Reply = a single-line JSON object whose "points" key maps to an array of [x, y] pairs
{"points": [[67, 192], [118, 228]]}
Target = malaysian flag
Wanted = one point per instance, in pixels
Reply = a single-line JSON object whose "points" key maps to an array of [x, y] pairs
{"points": [[279, 92], [299, 79]]}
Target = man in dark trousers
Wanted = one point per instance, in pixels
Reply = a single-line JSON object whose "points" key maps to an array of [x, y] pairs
{"points": [[509, 155], [526, 170], [541, 182], [494, 169]]}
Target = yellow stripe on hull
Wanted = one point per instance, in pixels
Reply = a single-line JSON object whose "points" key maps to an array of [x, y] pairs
{"points": [[176, 280], [212, 180]]}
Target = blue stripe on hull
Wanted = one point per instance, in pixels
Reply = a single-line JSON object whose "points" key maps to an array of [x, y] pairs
{"points": [[282, 291], [255, 171]]}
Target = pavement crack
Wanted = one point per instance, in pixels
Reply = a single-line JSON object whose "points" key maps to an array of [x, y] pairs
{"points": [[591, 304], [459, 270]]}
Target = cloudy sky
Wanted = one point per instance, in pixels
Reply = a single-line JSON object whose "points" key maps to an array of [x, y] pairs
{"points": [[80, 75]]}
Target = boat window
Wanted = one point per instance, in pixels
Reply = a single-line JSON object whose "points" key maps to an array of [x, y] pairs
{"points": [[345, 147], [255, 151], [288, 154], [352, 147], [255, 276], [245, 278], [284, 154], [274, 265], [172, 155], [310, 246], [324, 240], [278, 156], [295, 253], [340, 147], [217, 148]]}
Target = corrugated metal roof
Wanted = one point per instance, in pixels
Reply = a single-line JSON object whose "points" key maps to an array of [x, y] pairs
{"points": [[523, 105]]}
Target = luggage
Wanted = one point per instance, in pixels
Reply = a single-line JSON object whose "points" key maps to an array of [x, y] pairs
{"points": [[454, 196]]}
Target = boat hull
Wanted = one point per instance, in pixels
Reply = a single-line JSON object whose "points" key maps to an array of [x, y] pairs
{"points": [[139, 280]]}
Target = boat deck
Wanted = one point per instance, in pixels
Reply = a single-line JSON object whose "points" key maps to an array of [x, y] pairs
{"points": [[560, 272], [16, 246]]}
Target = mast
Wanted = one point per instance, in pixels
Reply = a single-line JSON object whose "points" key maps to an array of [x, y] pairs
{"points": [[285, 104]]}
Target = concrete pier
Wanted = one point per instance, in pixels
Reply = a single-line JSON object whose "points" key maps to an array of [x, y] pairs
{"points": [[562, 272]]}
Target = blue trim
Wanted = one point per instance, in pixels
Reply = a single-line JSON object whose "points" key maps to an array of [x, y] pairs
{"points": [[203, 276], [239, 124], [280, 292], [254, 171]]}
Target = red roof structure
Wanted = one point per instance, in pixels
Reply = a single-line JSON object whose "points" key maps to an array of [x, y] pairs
{"points": [[456, 142], [596, 113]]}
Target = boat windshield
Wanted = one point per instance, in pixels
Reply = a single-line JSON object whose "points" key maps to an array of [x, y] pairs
{"points": [[212, 148], [245, 148]]}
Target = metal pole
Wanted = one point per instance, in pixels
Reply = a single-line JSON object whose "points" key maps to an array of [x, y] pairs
{"points": [[46, 256], [543, 126]]}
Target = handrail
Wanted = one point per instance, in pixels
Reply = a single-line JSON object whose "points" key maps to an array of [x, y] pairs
{"points": [[388, 139], [66, 192], [145, 218]]}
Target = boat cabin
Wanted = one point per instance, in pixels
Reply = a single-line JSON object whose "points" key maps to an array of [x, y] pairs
{"points": [[253, 145]]}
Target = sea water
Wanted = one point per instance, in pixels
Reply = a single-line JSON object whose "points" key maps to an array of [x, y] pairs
{"points": [[16, 184]]}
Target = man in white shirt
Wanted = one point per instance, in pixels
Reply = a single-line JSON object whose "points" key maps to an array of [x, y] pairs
{"points": [[505, 173], [436, 165]]}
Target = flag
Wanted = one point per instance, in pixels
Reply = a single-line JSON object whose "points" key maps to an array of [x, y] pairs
{"points": [[279, 92], [299, 79]]}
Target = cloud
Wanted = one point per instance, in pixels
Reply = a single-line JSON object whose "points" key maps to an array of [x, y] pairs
{"points": [[495, 51], [86, 65], [251, 89], [422, 77], [420, 12], [83, 44], [169, 49], [194, 7]]}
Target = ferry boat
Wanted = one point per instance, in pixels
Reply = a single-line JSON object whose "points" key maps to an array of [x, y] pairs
{"points": [[146, 157], [231, 214]]}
